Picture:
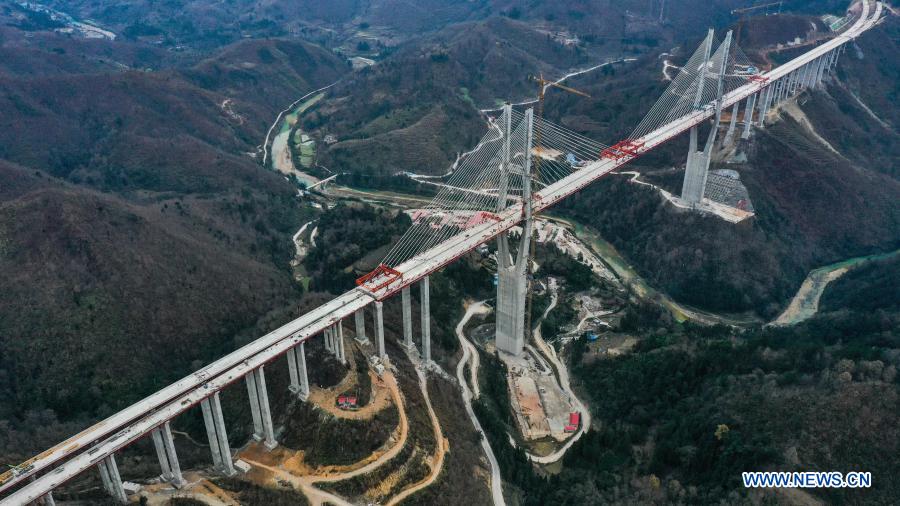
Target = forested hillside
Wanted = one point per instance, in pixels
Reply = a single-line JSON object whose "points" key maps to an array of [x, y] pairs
{"points": [[822, 180], [138, 236]]}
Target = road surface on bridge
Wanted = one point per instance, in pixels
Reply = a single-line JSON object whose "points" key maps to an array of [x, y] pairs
{"points": [[89, 447]]}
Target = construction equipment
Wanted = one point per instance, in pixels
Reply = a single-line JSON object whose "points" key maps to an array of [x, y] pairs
{"points": [[543, 85]]}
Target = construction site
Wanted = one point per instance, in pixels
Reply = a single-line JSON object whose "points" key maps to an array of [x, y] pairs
{"points": [[542, 409]]}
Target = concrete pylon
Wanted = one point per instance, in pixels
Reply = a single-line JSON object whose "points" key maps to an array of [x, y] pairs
{"points": [[112, 481], [165, 452], [697, 166], [426, 318], [379, 329], [296, 357], [512, 277], [359, 317], [407, 318], [215, 432]]}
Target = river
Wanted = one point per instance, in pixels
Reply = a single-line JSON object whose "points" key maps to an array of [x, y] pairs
{"points": [[805, 303]]}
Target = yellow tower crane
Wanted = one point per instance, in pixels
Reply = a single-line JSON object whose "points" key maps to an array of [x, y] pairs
{"points": [[543, 85]]}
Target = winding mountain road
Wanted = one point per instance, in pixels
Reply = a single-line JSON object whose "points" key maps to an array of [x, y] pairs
{"points": [[469, 351]]}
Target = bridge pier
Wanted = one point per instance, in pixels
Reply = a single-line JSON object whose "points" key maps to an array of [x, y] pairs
{"points": [[296, 358], [748, 116], [764, 105], [820, 68], [338, 333], [112, 481], [329, 340], [426, 319], [407, 318], [360, 326], [259, 407], [379, 329], [215, 431], [729, 135], [834, 59], [165, 452]]}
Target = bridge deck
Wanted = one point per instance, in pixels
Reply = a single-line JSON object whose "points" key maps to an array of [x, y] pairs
{"points": [[89, 447]]}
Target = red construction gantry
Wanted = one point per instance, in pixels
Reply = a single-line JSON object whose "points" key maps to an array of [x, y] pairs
{"points": [[479, 218], [622, 149], [756, 78], [381, 277]]}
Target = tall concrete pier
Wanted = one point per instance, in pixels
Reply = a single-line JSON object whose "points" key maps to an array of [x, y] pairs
{"points": [[512, 276]]}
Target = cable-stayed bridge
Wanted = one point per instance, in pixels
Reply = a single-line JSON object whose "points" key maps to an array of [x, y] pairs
{"points": [[524, 165]]}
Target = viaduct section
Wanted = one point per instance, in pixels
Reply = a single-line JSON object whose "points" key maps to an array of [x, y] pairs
{"points": [[96, 447]]}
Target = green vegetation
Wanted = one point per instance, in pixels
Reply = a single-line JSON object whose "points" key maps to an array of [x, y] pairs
{"points": [[251, 494], [692, 407], [874, 285], [348, 233], [554, 262], [327, 440], [409, 462]]}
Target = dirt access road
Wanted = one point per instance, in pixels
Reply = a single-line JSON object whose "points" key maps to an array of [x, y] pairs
{"points": [[304, 479], [469, 352]]}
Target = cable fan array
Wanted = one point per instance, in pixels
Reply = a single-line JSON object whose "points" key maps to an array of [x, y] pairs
{"points": [[696, 84], [472, 193]]}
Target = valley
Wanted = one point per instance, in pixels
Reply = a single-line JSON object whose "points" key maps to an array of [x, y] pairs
{"points": [[177, 180]]}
